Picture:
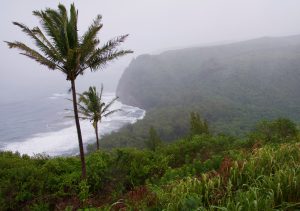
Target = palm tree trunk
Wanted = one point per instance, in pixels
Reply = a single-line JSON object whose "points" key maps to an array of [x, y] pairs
{"points": [[97, 138], [83, 168]]}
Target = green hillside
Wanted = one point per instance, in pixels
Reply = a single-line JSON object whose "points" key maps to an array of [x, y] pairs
{"points": [[262, 72], [232, 86]]}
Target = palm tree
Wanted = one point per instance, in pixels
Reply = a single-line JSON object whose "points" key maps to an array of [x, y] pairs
{"points": [[91, 107], [60, 48]]}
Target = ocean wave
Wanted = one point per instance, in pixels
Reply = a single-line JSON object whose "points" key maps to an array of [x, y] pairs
{"points": [[58, 95], [64, 141]]}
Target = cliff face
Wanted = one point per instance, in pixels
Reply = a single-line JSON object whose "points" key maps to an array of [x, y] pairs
{"points": [[257, 73]]}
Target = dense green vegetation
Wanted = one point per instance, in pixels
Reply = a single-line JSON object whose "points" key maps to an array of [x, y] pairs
{"points": [[204, 172], [169, 122], [233, 86]]}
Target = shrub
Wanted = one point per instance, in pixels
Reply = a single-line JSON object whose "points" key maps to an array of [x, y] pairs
{"points": [[137, 166], [98, 170], [276, 131]]}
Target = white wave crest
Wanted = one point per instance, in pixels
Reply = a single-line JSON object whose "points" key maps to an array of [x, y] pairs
{"points": [[64, 141]]}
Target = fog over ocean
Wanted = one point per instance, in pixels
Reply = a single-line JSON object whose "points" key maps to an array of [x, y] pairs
{"points": [[40, 125]]}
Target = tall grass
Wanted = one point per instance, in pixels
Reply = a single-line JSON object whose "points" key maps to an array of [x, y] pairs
{"points": [[267, 179]]}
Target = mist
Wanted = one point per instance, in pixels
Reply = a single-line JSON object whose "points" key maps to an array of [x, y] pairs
{"points": [[154, 26]]}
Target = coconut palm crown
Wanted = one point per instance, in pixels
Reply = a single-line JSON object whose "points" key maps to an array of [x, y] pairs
{"points": [[92, 107], [59, 47]]}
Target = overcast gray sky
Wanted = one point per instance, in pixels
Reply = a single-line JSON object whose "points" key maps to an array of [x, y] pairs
{"points": [[153, 25]]}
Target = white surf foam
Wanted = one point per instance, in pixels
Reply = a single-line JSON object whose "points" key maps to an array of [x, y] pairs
{"points": [[65, 141], [58, 95]]}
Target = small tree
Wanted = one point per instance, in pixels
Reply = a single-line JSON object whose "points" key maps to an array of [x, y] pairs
{"points": [[278, 130], [197, 126], [92, 107], [154, 141]]}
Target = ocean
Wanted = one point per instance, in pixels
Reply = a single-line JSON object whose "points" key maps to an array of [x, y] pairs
{"points": [[41, 126]]}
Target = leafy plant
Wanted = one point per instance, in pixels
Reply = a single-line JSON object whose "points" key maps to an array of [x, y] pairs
{"points": [[275, 131]]}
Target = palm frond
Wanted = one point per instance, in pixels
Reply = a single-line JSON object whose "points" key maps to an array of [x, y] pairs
{"points": [[63, 27], [111, 45], [89, 40], [51, 27], [81, 109], [107, 106], [101, 92], [80, 117], [72, 27], [84, 110], [32, 54], [63, 12], [111, 112], [101, 56], [82, 98], [43, 44], [99, 61], [55, 24], [56, 54]]}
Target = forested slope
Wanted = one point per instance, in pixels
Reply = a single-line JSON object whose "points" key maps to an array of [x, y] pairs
{"points": [[261, 72], [232, 86]]}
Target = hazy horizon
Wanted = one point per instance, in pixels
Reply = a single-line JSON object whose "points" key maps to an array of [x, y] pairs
{"points": [[154, 26]]}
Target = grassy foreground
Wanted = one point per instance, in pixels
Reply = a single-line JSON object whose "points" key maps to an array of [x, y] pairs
{"points": [[199, 173]]}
